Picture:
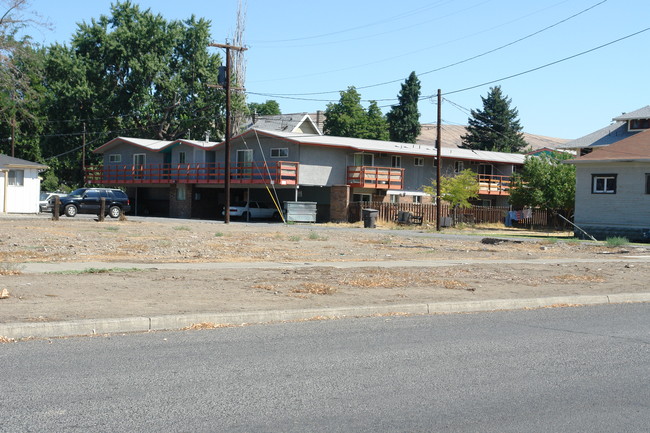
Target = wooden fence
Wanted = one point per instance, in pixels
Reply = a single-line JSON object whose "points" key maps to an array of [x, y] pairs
{"points": [[475, 215]]}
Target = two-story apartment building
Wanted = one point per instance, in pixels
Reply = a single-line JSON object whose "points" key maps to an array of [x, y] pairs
{"points": [[185, 178]]}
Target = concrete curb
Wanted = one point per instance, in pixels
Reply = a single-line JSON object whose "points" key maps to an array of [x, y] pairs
{"points": [[175, 322]]}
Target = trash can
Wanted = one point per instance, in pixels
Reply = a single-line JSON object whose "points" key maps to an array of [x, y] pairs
{"points": [[370, 218]]}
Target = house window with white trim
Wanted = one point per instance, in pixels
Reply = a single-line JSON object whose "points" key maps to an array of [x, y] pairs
{"points": [[182, 158], [394, 198], [280, 152], [418, 161], [459, 166], [603, 183], [361, 197], [115, 157], [396, 161], [417, 199], [364, 159], [16, 177]]}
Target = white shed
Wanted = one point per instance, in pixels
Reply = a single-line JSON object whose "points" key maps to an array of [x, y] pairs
{"points": [[20, 186]]}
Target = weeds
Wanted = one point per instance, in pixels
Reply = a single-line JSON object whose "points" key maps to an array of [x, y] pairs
{"points": [[96, 271], [184, 228], [111, 228], [10, 269], [218, 234], [294, 238], [616, 241]]}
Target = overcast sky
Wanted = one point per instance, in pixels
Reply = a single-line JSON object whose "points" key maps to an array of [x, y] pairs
{"points": [[309, 51]]}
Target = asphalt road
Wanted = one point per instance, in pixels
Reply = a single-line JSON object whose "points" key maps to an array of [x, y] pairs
{"points": [[583, 369]]}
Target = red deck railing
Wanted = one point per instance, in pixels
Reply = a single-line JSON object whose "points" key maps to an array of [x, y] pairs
{"points": [[494, 184], [279, 173], [376, 177]]}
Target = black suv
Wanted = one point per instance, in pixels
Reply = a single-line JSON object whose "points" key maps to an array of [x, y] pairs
{"points": [[88, 200]]}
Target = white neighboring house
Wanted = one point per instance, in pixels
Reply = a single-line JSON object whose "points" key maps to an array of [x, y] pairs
{"points": [[20, 186]]}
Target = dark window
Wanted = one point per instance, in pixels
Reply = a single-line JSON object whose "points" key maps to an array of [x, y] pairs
{"points": [[603, 183], [92, 194], [639, 124], [647, 183]]}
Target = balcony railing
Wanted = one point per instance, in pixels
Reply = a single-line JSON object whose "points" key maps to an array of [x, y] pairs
{"points": [[279, 173], [376, 177], [494, 184]]}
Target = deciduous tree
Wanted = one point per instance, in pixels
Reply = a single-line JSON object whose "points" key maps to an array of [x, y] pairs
{"points": [[348, 118]]}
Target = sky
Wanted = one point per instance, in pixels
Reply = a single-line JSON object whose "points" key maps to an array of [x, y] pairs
{"points": [[568, 66]]}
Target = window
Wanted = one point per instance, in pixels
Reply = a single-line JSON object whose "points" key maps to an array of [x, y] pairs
{"points": [[459, 166], [364, 159], [139, 161], [417, 199], [279, 152], [16, 177], [647, 183], [603, 183], [394, 198], [361, 197], [181, 192], [636, 124], [181, 157], [114, 157], [418, 161], [395, 161]]}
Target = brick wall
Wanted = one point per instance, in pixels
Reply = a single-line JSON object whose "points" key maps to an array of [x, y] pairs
{"points": [[339, 203]]}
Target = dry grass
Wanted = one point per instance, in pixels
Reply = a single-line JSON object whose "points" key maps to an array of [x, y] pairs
{"points": [[400, 278], [315, 289], [6, 340], [207, 325], [570, 278], [10, 269]]}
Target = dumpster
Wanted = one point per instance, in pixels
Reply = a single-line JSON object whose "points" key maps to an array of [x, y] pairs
{"points": [[370, 218]]}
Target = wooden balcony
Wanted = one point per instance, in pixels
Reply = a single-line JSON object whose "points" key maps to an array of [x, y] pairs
{"points": [[490, 184], [279, 173], [375, 177]]}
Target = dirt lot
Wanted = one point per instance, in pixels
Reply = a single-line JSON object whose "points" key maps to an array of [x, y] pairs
{"points": [[276, 266]]}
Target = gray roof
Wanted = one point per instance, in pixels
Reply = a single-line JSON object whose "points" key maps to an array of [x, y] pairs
{"points": [[641, 113], [361, 145], [284, 122], [11, 162], [603, 137]]}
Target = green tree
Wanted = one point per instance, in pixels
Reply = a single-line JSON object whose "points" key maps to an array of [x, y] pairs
{"points": [[458, 190], [21, 77], [348, 118], [404, 118], [268, 108], [130, 73], [545, 182], [496, 127]]}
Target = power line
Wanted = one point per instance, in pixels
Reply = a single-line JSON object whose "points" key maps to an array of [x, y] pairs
{"points": [[460, 61]]}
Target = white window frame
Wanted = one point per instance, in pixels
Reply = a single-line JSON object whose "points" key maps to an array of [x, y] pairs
{"points": [[362, 157], [394, 198], [181, 192], [115, 158], [459, 166], [608, 183], [417, 199], [363, 197], [182, 157], [396, 161], [418, 161], [16, 177], [280, 152]]}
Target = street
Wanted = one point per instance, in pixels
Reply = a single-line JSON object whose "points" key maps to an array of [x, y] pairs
{"points": [[579, 369]]}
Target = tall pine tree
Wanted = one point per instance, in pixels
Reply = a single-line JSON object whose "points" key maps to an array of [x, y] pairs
{"points": [[496, 127], [404, 118]]}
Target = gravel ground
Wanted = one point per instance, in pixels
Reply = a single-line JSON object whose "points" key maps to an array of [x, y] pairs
{"points": [[540, 266]]}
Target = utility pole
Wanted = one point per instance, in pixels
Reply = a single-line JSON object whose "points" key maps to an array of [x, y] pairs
{"points": [[13, 134], [439, 160], [226, 87], [83, 154]]}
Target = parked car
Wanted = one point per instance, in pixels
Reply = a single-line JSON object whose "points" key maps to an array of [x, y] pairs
{"points": [[44, 203], [88, 201], [253, 210]]}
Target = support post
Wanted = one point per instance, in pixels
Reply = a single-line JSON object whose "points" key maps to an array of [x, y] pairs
{"points": [[438, 160]]}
